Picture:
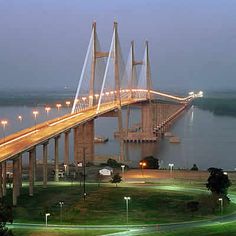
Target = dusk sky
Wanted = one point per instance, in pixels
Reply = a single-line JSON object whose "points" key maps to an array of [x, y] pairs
{"points": [[192, 42]]}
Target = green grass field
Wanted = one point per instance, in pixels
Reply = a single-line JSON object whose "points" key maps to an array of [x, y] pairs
{"points": [[150, 203], [59, 232]]}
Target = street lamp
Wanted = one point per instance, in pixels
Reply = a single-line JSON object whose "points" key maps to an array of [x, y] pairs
{"points": [[61, 205], [142, 164], [171, 167], [4, 123], [58, 105], [66, 169], [20, 118], [46, 218], [35, 113], [47, 109], [127, 208], [123, 171], [221, 204], [68, 104]]}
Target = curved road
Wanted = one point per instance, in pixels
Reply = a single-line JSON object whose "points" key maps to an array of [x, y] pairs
{"points": [[140, 229]]}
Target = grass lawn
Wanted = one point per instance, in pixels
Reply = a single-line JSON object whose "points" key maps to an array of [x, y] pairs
{"points": [[216, 230], [59, 232], [106, 205]]}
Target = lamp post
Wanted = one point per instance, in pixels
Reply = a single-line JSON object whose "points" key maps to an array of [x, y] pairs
{"points": [[221, 205], [123, 171], [84, 165], [46, 218], [66, 169], [142, 164], [127, 208], [61, 203], [171, 165], [58, 105], [20, 118], [68, 104], [47, 109], [4, 123], [35, 113]]}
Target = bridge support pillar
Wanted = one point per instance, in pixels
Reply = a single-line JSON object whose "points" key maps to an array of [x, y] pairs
{"points": [[32, 159], [66, 152], [120, 128], [4, 175], [1, 195], [19, 178], [45, 164], [76, 137], [56, 158], [15, 191], [86, 141]]}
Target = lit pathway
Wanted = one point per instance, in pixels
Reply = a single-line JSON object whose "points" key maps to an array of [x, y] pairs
{"points": [[141, 229]]}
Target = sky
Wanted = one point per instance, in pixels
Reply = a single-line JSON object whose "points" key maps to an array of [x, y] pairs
{"points": [[192, 42]]}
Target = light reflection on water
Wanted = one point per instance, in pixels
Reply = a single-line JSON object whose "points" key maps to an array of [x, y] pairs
{"points": [[206, 139]]}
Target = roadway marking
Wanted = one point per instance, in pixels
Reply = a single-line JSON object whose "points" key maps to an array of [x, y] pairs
{"points": [[15, 139], [57, 122]]}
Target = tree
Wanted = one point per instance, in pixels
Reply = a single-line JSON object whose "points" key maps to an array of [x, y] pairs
{"points": [[116, 179], [195, 168], [151, 162], [218, 182], [112, 163], [6, 215]]}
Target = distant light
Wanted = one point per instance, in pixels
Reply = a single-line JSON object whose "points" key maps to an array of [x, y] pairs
{"points": [[35, 113], [4, 122], [191, 93], [127, 198], [20, 118], [47, 109], [200, 93], [68, 103], [58, 105]]}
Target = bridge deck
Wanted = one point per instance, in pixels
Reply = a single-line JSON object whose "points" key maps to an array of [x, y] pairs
{"points": [[26, 139]]}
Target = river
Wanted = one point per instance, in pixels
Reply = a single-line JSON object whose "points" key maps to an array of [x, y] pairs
{"points": [[207, 140]]}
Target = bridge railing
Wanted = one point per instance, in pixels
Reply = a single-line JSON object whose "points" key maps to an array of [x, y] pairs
{"points": [[84, 102]]}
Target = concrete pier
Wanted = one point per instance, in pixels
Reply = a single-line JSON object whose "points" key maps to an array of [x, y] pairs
{"points": [[1, 194], [86, 140], [45, 164], [66, 152], [32, 157], [76, 136], [56, 158], [15, 191], [4, 176]]}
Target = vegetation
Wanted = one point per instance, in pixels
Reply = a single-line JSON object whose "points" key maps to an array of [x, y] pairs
{"points": [[219, 106], [6, 216], [60, 232], [150, 203], [150, 162], [218, 181], [217, 229], [194, 168], [113, 163], [116, 179]]}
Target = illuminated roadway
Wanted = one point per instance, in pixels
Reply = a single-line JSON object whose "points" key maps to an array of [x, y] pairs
{"points": [[28, 138]]}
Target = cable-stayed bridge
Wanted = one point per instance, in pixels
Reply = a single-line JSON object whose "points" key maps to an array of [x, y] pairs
{"points": [[106, 85]]}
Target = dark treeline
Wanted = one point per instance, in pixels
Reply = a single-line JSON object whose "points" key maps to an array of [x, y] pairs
{"points": [[34, 98], [219, 106]]}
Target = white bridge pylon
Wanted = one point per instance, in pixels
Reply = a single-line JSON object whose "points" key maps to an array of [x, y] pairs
{"points": [[105, 78]]}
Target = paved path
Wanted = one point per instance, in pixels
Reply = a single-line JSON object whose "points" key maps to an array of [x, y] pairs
{"points": [[140, 229]]}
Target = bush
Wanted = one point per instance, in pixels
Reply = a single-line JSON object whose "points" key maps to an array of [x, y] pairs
{"points": [[195, 168], [151, 162]]}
